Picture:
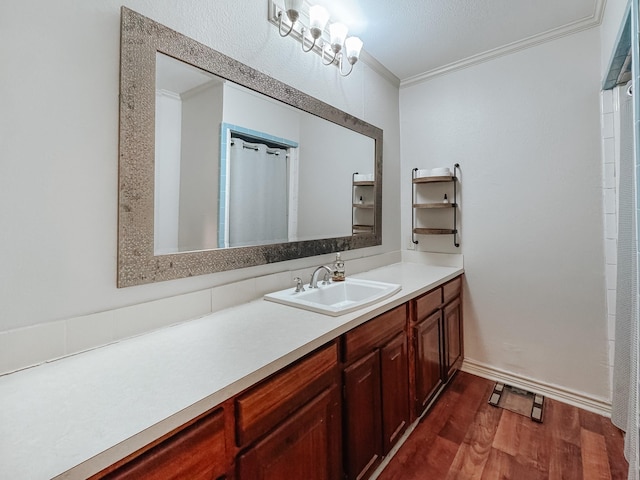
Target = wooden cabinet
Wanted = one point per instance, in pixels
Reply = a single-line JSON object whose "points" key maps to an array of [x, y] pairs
{"points": [[373, 334], [196, 451], [376, 392], [436, 347], [394, 376], [291, 422], [451, 290], [453, 337], [262, 407], [307, 445], [428, 355], [362, 416]]}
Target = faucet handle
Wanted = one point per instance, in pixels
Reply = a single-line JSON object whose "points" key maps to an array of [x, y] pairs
{"points": [[299, 286], [325, 280]]}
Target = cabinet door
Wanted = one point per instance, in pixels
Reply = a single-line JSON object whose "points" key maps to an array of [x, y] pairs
{"points": [[427, 337], [268, 404], [197, 452], [394, 379], [363, 435], [307, 445], [453, 337]]}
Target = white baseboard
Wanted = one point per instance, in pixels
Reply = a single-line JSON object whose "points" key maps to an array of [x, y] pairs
{"points": [[565, 395]]}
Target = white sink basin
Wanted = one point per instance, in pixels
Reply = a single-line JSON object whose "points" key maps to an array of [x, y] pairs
{"points": [[336, 298]]}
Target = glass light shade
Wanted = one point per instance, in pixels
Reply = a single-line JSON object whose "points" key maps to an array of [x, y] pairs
{"points": [[353, 45], [338, 32], [318, 18], [293, 8]]}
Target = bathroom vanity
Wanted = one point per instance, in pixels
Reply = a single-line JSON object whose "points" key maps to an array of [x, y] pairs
{"points": [[339, 409], [247, 392]]}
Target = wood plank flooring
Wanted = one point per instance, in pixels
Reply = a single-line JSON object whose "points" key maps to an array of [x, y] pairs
{"points": [[463, 437]]}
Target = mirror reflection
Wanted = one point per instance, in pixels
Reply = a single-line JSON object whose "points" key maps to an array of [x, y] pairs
{"points": [[222, 167], [234, 167]]}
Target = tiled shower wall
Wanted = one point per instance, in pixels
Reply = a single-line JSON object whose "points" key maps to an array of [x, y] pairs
{"points": [[610, 122]]}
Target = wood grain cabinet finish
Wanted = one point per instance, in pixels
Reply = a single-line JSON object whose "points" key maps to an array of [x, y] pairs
{"points": [[289, 425], [453, 337], [306, 446], [376, 390], [394, 378], [451, 289], [374, 333], [428, 357], [264, 406], [428, 303], [436, 346], [196, 452], [362, 416]]}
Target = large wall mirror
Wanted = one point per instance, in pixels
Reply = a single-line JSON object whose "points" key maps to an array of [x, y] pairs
{"points": [[223, 167]]}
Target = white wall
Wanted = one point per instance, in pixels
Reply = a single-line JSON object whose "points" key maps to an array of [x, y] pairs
{"points": [[525, 129], [59, 144], [245, 108], [199, 167], [325, 188], [167, 173]]}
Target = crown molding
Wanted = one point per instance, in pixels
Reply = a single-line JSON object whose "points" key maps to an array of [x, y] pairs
{"points": [[379, 68], [586, 23], [168, 93]]}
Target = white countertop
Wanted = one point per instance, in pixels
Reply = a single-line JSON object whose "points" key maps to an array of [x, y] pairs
{"points": [[72, 417]]}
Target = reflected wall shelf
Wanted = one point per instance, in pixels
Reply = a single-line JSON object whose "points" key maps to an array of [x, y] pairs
{"points": [[434, 231], [362, 212], [435, 205], [423, 182]]}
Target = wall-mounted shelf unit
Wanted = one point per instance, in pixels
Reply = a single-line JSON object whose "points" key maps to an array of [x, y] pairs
{"points": [[362, 211], [418, 183]]}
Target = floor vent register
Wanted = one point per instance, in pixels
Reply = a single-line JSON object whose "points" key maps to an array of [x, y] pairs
{"points": [[518, 401]]}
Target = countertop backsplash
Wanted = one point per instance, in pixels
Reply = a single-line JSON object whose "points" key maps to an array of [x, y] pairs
{"points": [[26, 347]]}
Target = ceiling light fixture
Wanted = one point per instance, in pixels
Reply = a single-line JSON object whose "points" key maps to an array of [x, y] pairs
{"points": [[334, 48]]}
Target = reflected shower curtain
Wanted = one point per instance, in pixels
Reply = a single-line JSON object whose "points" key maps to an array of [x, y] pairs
{"points": [[624, 413], [257, 194]]}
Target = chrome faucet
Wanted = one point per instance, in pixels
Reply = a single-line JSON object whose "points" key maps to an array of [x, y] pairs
{"points": [[314, 277], [299, 286]]}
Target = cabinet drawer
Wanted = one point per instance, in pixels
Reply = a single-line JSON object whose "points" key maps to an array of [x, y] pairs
{"points": [[273, 400], [428, 303], [305, 446], [374, 333], [196, 452], [452, 289]]}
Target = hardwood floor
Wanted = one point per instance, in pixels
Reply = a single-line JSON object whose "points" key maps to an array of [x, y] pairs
{"points": [[463, 437]]}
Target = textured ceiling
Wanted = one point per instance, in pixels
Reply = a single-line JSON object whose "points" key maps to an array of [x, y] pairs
{"points": [[415, 37]]}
